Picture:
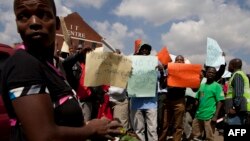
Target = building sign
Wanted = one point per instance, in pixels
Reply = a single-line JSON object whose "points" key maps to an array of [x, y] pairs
{"points": [[79, 32], [73, 31]]}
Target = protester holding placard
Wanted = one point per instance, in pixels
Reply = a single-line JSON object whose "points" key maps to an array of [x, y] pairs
{"points": [[220, 71], [215, 58], [119, 103], [161, 94], [74, 66], [174, 110], [164, 58], [144, 109], [209, 101]]}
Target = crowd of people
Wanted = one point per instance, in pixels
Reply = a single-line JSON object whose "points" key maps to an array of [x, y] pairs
{"points": [[46, 98]]}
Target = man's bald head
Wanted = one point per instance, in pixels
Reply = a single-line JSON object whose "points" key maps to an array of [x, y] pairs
{"points": [[235, 64], [179, 59]]}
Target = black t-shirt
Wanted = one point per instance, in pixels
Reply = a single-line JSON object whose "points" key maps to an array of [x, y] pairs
{"points": [[25, 75], [175, 93]]}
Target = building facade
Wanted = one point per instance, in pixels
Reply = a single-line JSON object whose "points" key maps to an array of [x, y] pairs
{"points": [[79, 32]]}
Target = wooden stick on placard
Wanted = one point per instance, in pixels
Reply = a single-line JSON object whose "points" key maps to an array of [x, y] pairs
{"points": [[66, 35]]}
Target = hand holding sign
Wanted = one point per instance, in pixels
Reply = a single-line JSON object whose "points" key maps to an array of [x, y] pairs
{"points": [[215, 56]]}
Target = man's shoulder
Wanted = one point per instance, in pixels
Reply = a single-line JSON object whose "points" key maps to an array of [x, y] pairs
{"points": [[238, 75], [20, 55], [20, 60]]}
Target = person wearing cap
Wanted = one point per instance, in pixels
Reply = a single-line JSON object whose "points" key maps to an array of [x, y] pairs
{"points": [[144, 49], [144, 109]]}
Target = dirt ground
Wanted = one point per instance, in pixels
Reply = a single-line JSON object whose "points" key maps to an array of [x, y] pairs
{"points": [[218, 137]]}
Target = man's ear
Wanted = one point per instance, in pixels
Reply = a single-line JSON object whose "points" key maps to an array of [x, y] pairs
{"points": [[58, 23]]}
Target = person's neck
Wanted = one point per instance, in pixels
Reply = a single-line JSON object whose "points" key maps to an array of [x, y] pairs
{"points": [[236, 70], [209, 81], [44, 54]]}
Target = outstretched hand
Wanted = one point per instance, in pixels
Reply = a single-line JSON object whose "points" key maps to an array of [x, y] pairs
{"points": [[85, 50], [115, 129]]}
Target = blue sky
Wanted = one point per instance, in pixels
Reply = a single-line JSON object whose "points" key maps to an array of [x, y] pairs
{"points": [[181, 25]]}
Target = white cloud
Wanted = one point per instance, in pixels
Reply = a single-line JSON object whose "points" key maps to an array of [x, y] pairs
{"points": [[85, 3], [194, 21], [245, 67], [9, 32], [62, 9], [184, 37], [10, 36], [6, 3], [190, 23], [229, 26], [153, 52], [248, 3], [162, 11], [117, 34]]}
